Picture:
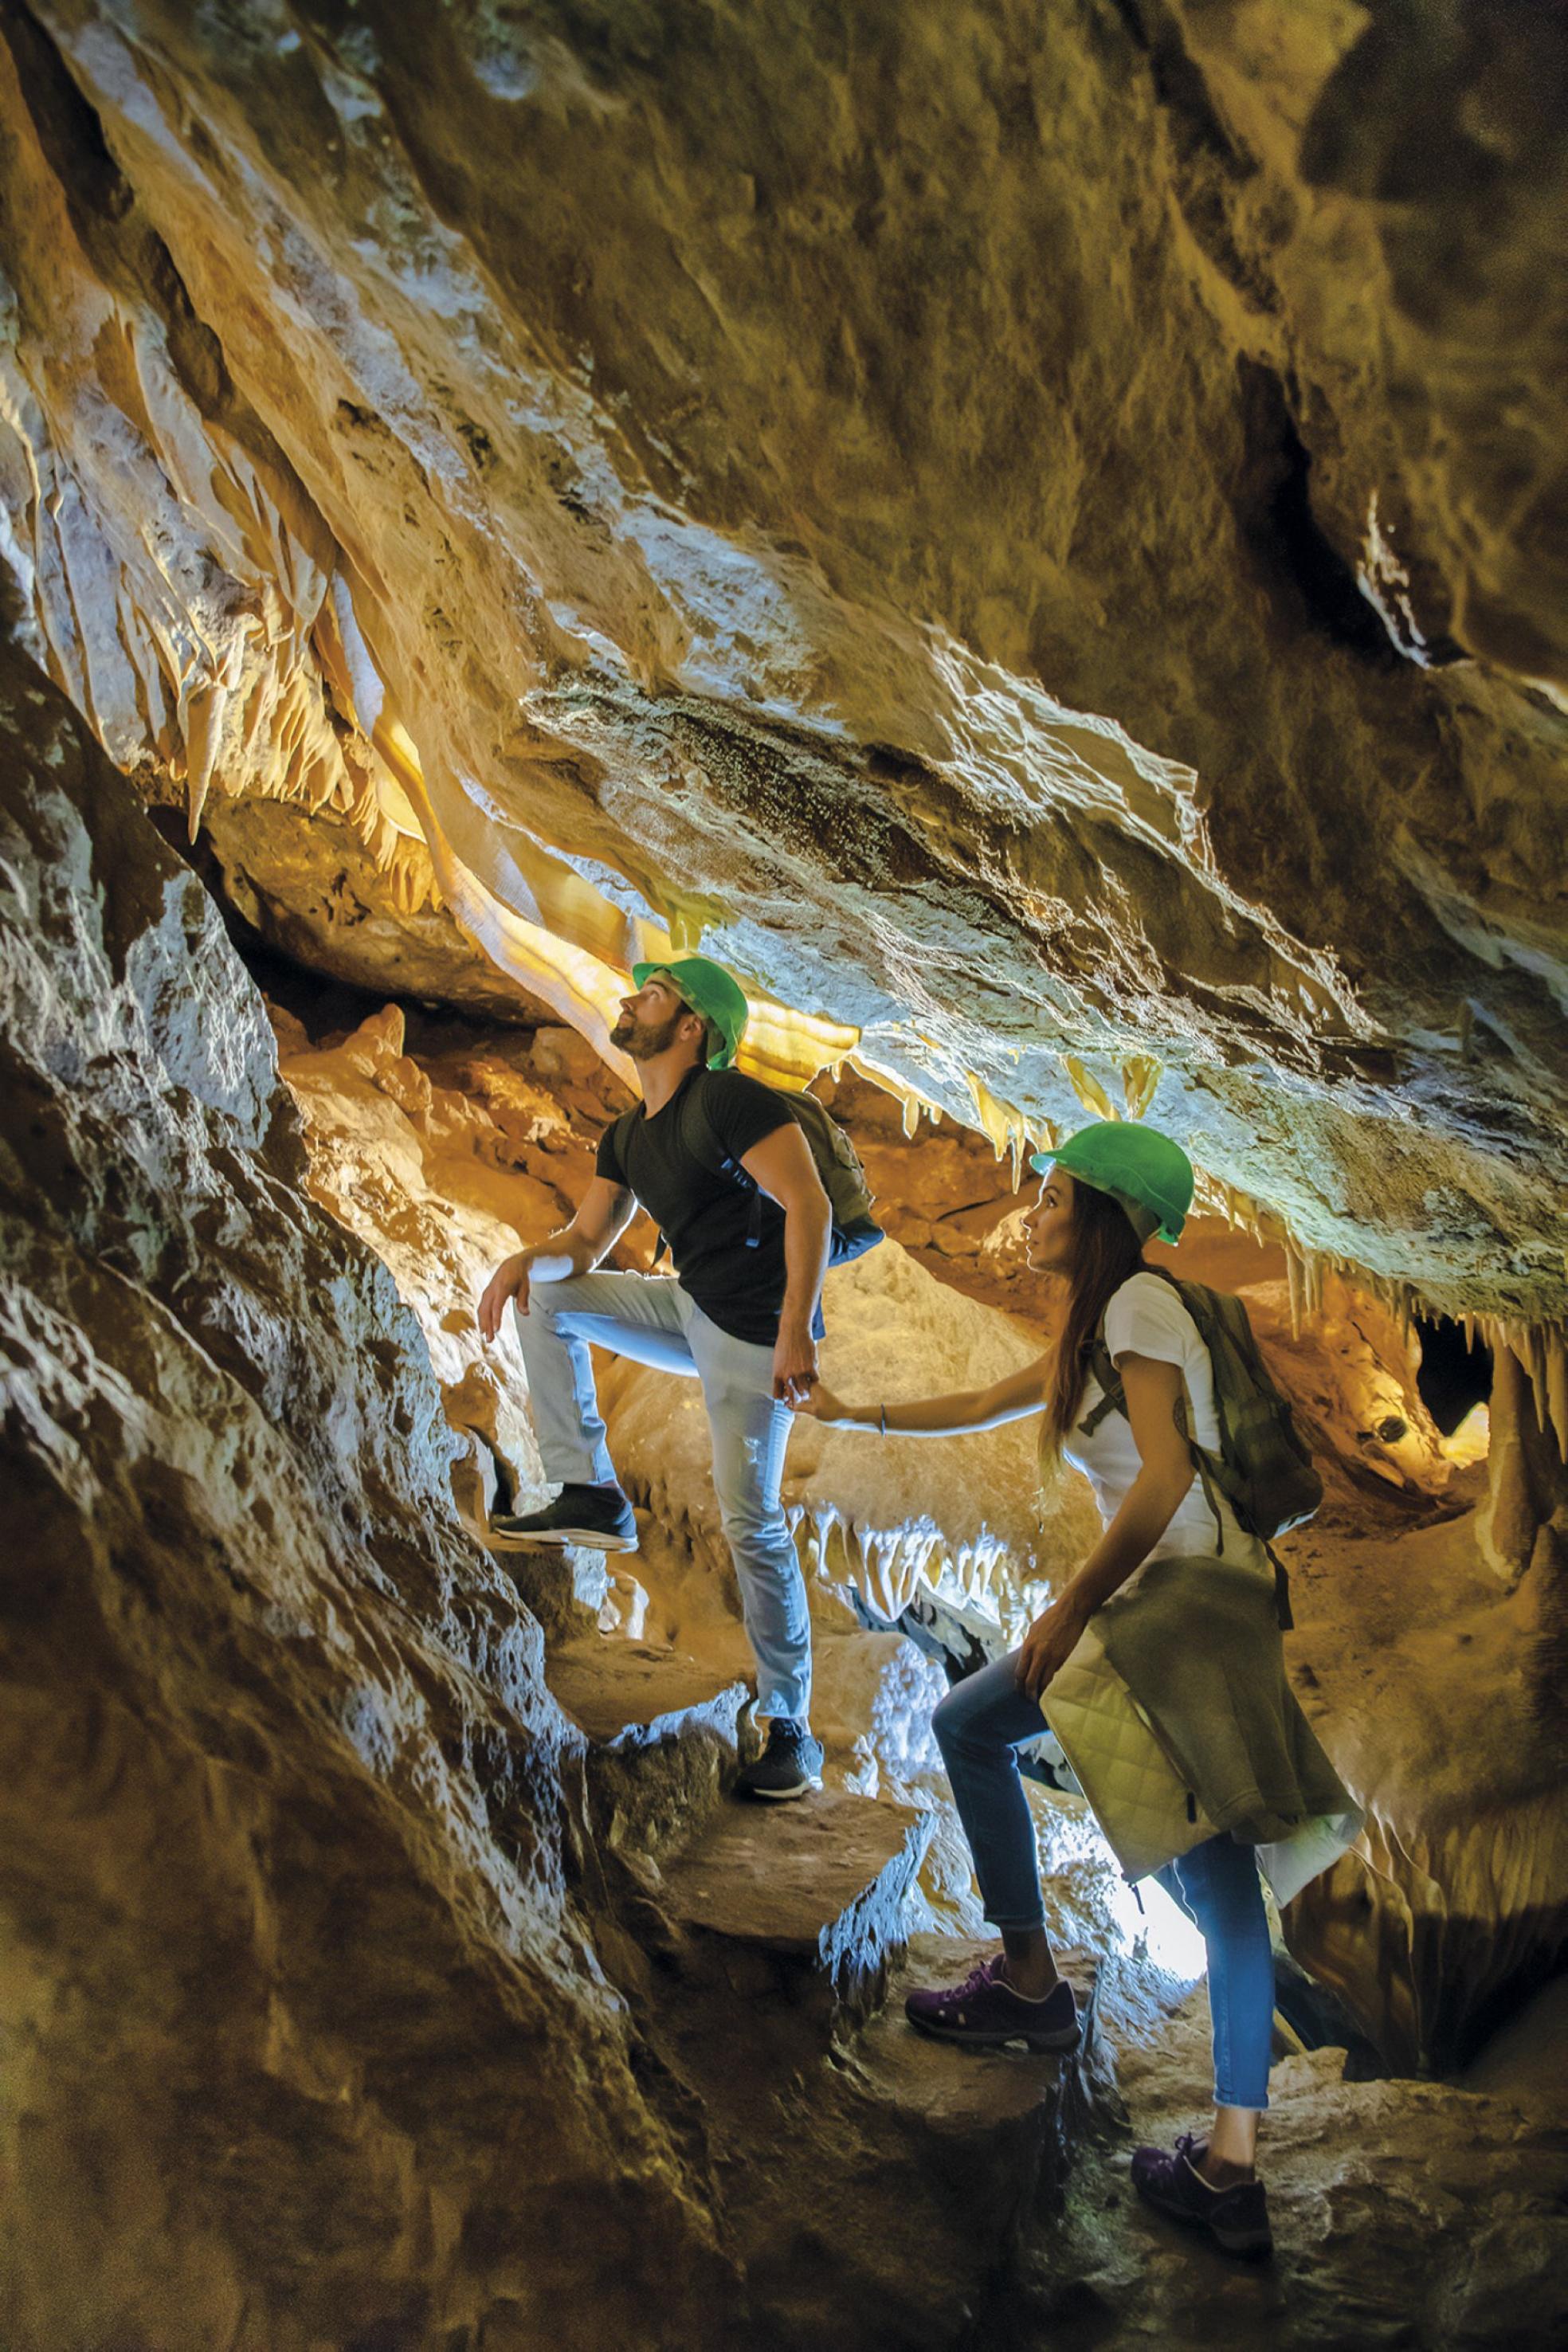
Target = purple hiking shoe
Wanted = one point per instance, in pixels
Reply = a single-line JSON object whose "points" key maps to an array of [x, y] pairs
{"points": [[985, 2012], [1236, 2219]]}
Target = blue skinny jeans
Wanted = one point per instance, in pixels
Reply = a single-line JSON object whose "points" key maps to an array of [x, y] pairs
{"points": [[978, 1727]]}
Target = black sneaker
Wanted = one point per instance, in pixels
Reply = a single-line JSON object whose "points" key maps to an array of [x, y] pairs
{"points": [[600, 1518], [788, 1766]]}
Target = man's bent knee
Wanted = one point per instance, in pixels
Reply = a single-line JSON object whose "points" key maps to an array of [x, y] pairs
{"points": [[755, 1531]]}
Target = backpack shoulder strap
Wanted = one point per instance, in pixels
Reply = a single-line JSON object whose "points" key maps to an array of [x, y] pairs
{"points": [[1113, 1398], [1195, 1297], [1113, 1394], [701, 1137]]}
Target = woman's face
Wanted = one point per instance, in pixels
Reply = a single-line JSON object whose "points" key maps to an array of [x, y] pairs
{"points": [[1047, 1228]]}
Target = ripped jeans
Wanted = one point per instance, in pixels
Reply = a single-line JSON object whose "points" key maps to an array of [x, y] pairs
{"points": [[649, 1319]]}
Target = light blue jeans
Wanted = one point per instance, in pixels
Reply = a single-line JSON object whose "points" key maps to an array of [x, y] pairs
{"points": [[979, 1725], [651, 1319]]}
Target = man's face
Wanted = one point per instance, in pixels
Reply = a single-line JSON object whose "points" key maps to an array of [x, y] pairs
{"points": [[649, 1020]]}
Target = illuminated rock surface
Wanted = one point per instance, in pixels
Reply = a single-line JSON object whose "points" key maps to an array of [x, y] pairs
{"points": [[279, 1763], [1040, 539], [894, 497], [336, 2010]]}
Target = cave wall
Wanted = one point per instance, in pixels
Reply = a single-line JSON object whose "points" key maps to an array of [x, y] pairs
{"points": [[1034, 536], [297, 1990]]}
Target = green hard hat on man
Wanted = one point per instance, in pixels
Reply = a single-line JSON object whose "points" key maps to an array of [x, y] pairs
{"points": [[1150, 1176], [710, 991]]}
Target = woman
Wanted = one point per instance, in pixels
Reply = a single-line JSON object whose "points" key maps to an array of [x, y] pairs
{"points": [[1164, 1648]]}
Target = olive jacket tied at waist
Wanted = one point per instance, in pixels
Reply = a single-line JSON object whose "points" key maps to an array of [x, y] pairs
{"points": [[1176, 1717]]}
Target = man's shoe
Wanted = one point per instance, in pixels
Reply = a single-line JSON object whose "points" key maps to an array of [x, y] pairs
{"points": [[600, 1518], [985, 2012], [1236, 2219], [788, 1766]]}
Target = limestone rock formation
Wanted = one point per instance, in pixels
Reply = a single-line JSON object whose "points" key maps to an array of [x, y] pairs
{"points": [[296, 1988], [357, 1990], [1404, 2213], [998, 530], [1037, 536]]}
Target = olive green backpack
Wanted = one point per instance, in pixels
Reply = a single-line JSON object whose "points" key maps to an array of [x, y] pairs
{"points": [[1262, 1469]]}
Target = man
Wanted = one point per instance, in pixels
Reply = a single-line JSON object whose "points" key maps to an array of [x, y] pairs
{"points": [[742, 1315]]}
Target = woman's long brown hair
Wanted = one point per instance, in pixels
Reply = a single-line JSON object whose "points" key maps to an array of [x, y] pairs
{"points": [[1106, 1252]]}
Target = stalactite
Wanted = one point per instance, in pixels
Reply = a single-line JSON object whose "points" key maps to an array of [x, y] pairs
{"points": [[1140, 1075], [1541, 1348], [1295, 1275], [1087, 1088], [203, 728], [1002, 1125]]}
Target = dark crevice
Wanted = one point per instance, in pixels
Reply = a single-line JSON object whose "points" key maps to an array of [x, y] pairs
{"points": [[129, 257], [1454, 1375], [70, 132], [127, 254], [1179, 85], [325, 1005], [1208, 163], [1274, 511]]}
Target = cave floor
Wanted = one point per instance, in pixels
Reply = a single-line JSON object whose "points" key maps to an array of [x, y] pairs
{"points": [[1405, 2214]]}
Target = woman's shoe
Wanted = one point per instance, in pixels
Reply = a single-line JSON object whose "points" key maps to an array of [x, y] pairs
{"points": [[1236, 2219], [985, 2012]]}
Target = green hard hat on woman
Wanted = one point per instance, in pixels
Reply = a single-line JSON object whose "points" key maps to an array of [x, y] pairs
{"points": [[1149, 1175]]}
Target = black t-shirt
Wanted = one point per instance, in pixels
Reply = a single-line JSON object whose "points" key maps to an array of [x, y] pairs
{"points": [[705, 1217]]}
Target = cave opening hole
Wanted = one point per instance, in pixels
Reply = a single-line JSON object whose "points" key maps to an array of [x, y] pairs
{"points": [[1455, 1374]]}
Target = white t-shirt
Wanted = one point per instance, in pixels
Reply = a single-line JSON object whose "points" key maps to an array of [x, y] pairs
{"points": [[1146, 1318]]}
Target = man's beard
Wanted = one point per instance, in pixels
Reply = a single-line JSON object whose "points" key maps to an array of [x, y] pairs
{"points": [[643, 1039]]}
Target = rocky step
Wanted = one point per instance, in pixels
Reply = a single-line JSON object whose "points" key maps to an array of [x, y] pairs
{"points": [[563, 1585], [996, 2129], [879, 2188], [796, 1912], [948, 2154], [665, 1738]]}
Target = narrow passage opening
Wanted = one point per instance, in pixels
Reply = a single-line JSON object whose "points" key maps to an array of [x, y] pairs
{"points": [[1454, 1375]]}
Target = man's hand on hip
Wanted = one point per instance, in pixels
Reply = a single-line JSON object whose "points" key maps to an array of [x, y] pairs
{"points": [[794, 1363]]}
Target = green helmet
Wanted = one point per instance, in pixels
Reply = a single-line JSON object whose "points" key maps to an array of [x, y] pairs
{"points": [[710, 990], [1150, 1175]]}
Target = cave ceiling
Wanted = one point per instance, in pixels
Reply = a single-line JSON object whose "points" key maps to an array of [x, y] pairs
{"points": [[1034, 532]]}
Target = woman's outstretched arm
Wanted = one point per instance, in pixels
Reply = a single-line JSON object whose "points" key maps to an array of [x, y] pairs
{"points": [[1011, 1399]]}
